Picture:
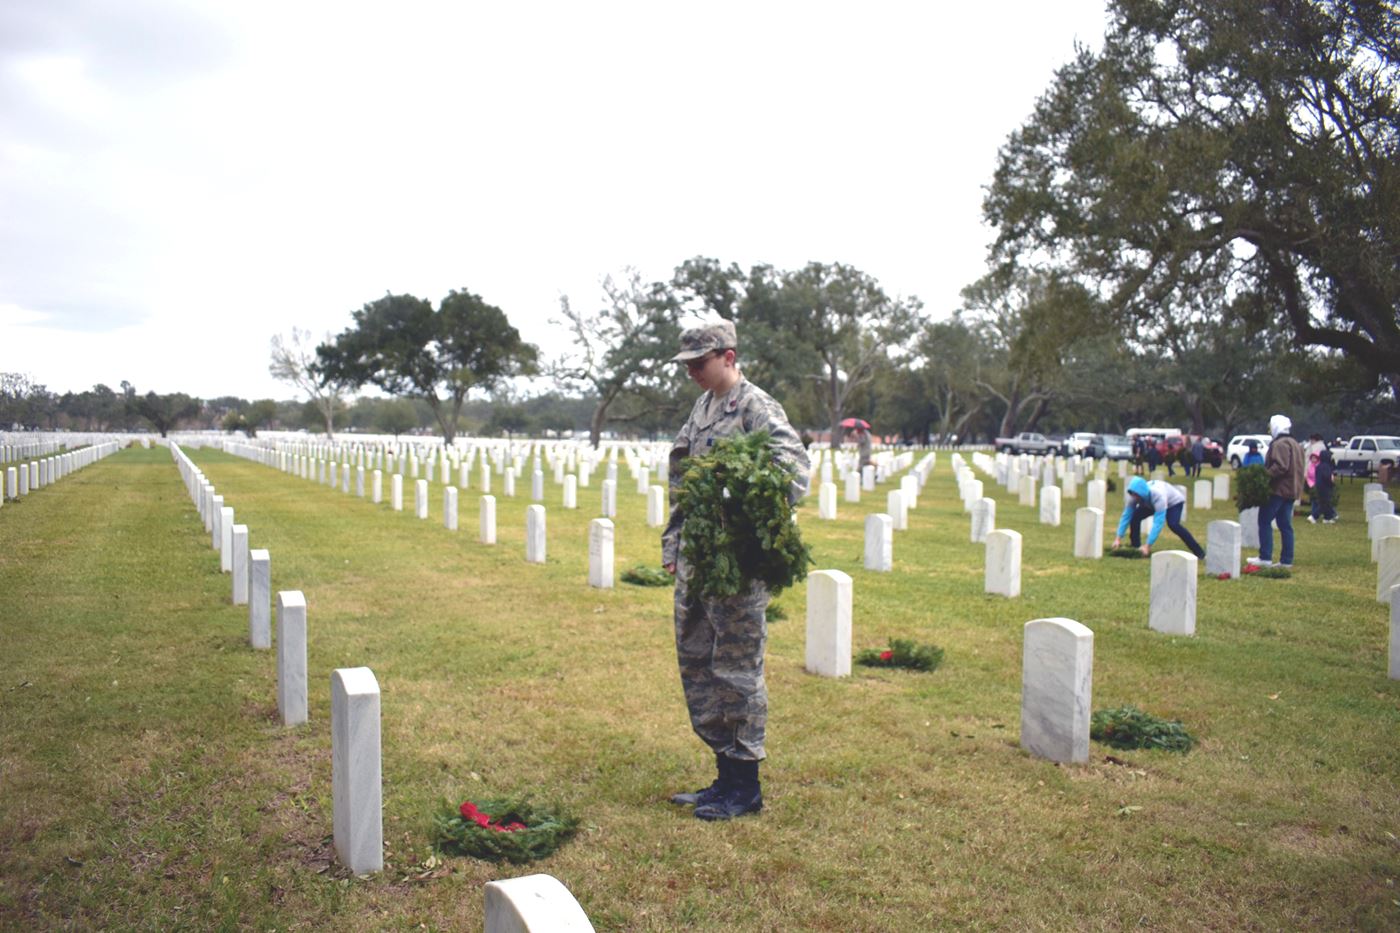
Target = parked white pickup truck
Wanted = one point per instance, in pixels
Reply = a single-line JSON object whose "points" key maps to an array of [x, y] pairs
{"points": [[1364, 453], [1028, 442]]}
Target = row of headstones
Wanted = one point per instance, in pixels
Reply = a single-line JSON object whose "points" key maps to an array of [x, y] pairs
{"points": [[337, 475], [11, 452], [36, 474], [601, 531], [641, 460], [1383, 530], [356, 785], [535, 902], [371, 453]]}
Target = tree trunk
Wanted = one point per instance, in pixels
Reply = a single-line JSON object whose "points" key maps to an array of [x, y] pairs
{"points": [[1008, 420], [595, 423], [834, 406], [1041, 406]]}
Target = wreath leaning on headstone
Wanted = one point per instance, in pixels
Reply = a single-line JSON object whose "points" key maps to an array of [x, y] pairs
{"points": [[739, 524]]}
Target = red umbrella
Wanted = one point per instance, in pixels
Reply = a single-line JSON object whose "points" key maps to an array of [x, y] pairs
{"points": [[855, 423]]}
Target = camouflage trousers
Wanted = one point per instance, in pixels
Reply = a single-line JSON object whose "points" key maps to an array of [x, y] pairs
{"points": [[719, 645]]}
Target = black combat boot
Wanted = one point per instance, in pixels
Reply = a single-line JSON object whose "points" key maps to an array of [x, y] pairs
{"points": [[705, 795], [742, 794]]}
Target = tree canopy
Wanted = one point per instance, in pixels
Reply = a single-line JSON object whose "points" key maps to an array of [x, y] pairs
{"points": [[405, 347], [1215, 150]]}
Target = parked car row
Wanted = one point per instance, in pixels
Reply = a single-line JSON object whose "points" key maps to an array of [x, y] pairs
{"points": [[1363, 454]]}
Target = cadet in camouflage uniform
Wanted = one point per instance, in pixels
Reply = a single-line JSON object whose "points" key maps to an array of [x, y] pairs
{"points": [[720, 642]]}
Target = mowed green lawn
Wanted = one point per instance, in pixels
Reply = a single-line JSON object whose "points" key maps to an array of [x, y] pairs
{"points": [[145, 781]]}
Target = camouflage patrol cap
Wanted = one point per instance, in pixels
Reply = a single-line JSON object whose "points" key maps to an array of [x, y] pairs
{"points": [[697, 341]]}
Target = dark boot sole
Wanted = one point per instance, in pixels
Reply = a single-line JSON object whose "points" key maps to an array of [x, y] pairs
{"points": [[716, 814]]}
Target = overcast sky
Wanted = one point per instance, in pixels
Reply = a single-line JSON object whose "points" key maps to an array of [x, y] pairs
{"points": [[179, 181]]}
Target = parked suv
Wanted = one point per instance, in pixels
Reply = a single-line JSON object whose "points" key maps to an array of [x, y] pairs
{"points": [[1109, 446], [1079, 441], [1238, 447]]}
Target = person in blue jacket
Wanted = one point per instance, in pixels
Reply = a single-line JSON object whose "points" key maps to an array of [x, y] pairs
{"points": [[1164, 503], [1252, 457]]}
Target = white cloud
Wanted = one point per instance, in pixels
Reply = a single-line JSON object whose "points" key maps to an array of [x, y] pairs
{"points": [[282, 164]]}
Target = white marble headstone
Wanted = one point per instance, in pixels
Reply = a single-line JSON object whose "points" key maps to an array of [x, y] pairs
{"points": [[894, 507], [260, 598], [239, 546], [1097, 494], [656, 506], [226, 539], [984, 518], [396, 492], [1202, 493], [357, 787], [1223, 545], [487, 521], [1050, 506], [879, 542], [1088, 533], [1003, 571], [829, 598], [534, 534], [291, 657], [1387, 566], [1057, 678], [1381, 526], [1394, 671], [600, 553], [449, 508], [1249, 527], [826, 501], [533, 904], [1172, 598]]}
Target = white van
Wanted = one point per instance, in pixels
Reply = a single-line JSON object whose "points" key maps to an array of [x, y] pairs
{"points": [[1134, 433]]}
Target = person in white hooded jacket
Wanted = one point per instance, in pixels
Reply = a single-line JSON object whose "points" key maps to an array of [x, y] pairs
{"points": [[1164, 503]]}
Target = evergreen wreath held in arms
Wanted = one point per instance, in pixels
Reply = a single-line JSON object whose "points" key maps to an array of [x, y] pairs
{"points": [[738, 521]]}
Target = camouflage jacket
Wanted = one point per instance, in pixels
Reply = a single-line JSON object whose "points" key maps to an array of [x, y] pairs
{"points": [[743, 410]]}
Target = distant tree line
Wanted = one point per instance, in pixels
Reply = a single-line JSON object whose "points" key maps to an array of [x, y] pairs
{"points": [[1198, 226]]}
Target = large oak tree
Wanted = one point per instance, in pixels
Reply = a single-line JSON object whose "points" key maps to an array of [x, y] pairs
{"points": [[405, 347], [1219, 149]]}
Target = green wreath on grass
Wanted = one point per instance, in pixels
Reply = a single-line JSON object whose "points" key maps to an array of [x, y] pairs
{"points": [[903, 653], [1130, 727], [641, 575], [1127, 553], [507, 829]]}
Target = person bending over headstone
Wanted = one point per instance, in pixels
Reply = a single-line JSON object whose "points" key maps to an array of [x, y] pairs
{"points": [[1162, 502], [720, 642]]}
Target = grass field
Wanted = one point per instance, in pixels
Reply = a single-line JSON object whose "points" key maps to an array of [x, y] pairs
{"points": [[146, 783]]}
